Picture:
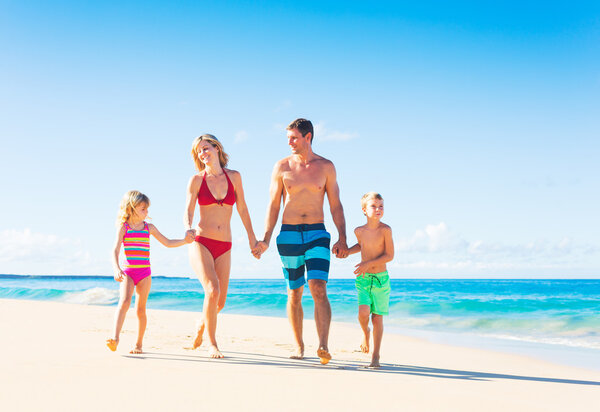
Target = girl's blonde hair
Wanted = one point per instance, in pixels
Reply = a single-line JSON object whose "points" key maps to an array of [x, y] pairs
{"points": [[223, 157], [129, 203], [368, 196]]}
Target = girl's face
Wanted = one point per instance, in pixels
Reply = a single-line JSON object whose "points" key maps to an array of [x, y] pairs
{"points": [[207, 153], [141, 210]]}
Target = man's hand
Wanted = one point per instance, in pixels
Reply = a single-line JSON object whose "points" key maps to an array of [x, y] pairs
{"points": [[340, 249], [259, 248]]}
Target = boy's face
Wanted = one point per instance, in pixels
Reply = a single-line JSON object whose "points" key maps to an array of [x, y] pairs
{"points": [[374, 209]]}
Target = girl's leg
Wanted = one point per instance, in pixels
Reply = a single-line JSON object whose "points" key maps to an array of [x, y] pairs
{"points": [[125, 293], [142, 290], [377, 336], [363, 318], [204, 266]]}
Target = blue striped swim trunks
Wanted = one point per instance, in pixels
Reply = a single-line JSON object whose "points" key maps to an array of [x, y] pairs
{"points": [[303, 246]]}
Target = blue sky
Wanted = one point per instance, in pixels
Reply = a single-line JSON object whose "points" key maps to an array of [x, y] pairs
{"points": [[478, 123]]}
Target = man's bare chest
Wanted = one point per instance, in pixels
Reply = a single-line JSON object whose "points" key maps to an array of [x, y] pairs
{"points": [[304, 180]]}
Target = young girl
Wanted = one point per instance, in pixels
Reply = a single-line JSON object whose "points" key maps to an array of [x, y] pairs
{"points": [[134, 233]]}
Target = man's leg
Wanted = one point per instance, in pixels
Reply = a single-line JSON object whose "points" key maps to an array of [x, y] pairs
{"points": [[296, 317], [318, 290]]}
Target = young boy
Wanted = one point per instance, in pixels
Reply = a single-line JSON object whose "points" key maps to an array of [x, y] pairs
{"points": [[372, 280]]}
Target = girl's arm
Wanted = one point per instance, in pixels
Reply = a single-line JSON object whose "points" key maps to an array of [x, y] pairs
{"points": [[168, 242], [242, 208], [190, 202], [119, 274]]}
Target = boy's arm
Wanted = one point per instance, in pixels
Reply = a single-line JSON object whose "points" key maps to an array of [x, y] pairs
{"points": [[169, 242], [119, 274], [356, 248]]}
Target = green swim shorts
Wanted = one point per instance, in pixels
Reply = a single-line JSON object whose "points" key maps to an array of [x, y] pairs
{"points": [[374, 290]]}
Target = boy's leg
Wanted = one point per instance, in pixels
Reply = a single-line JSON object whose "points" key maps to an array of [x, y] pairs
{"points": [[142, 290], [363, 318], [125, 293], [377, 336]]}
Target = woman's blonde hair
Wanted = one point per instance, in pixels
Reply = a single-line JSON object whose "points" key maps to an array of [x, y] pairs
{"points": [[223, 157], [129, 203]]}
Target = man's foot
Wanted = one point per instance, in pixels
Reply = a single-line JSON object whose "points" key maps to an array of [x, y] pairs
{"points": [[375, 362], [136, 351], [112, 344], [298, 354], [364, 346], [214, 352], [324, 355], [198, 340]]}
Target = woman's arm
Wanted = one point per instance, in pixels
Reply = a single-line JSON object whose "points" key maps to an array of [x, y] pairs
{"points": [[242, 208], [190, 202], [169, 242], [119, 274]]}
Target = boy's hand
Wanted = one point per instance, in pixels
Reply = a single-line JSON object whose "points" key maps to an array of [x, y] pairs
{"points": [[120, 275], [361, 269]]}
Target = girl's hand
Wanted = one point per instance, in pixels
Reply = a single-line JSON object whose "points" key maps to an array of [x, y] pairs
{"points": [[361, 269], [120, 276], [190, 236]]}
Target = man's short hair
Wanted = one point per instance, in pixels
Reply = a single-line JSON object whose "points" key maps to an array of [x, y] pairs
{"points": [[304, 126]]}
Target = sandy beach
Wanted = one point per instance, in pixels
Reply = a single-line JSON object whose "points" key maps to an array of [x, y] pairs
{"points": [[54, 358]]}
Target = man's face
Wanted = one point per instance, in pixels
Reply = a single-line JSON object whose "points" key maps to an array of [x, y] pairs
{"points": [[297, 142]]}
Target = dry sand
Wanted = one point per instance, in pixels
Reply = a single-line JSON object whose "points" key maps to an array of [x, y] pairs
{"points": [[54, 358]]}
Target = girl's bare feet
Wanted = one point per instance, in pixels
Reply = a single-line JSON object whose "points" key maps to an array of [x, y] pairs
{"points": [[364, 346], [136, 351], [112, 344], [198, 340], [298, 354], [214, 352]]}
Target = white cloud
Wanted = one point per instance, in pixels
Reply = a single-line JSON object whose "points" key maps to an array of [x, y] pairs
{"points": [[241, 136], [322, 133]]}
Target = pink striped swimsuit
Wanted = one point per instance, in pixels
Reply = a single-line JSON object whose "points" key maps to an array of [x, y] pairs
{"points": [[137, 252]]}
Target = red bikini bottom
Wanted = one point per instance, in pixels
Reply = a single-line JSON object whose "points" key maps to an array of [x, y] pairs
{"points": [[215, 247]]}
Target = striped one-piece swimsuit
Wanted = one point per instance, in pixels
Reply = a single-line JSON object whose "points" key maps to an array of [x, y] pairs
{"points": [[137, 252]]}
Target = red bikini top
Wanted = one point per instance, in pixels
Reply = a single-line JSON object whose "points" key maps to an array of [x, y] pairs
{"points": [[205, 196]]}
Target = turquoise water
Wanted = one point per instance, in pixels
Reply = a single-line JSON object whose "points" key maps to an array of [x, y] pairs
{"points": [[556, 312]]}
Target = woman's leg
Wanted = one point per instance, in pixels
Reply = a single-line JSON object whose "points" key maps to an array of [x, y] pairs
{"points": [[204, 267], [142, 290]]}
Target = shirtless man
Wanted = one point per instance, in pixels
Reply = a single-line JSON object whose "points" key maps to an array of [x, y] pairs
{"points": [[302, 180]]}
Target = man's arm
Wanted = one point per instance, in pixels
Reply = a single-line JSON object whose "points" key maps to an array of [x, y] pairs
{"points": [[340, 248], [275, 194]]}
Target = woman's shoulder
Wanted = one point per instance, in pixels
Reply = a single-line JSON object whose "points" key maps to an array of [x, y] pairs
{"points": [[196, 179], [233, 174]]}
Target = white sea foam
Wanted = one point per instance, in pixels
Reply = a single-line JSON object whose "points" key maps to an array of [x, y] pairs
{"points": [[93, 296]]}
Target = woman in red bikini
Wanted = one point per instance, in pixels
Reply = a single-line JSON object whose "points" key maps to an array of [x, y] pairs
{"points": [[216, 190]]}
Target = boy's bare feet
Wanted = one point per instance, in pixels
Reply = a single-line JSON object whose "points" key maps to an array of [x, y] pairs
{"points": [[375, 362], [112, 344], [364, 346], [298, 354], [136, 351], [324, 355], [198, 340], [214, 352]]}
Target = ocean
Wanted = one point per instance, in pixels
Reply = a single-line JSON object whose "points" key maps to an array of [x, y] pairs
{"points": [[559, 318]]}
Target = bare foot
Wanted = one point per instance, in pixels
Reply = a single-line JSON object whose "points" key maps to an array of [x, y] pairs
{"points": [[112, 344], [136, 351], [375, 362], [214, 352], [198, 340], [298, 354], [324, 355], [364, 346]]}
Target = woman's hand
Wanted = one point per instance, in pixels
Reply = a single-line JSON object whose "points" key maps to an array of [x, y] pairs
{"points": [[259, 248]]}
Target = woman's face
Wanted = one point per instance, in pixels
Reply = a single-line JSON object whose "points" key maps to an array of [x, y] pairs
{"points": [[207, 153]]}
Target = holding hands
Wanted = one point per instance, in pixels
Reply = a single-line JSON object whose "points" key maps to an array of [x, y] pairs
{"points": [[190, 235], [340, 249], [259, 248]]}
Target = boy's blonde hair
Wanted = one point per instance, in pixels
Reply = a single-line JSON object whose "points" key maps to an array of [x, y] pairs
{"points": [[129, 202], [223, 157], [368, 196]]}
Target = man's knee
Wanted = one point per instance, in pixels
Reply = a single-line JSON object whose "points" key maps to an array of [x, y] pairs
{"points": [[295, 296], [318, 289]]}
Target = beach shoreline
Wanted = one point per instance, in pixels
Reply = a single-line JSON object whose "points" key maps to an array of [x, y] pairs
{"points": [[58, 349]]}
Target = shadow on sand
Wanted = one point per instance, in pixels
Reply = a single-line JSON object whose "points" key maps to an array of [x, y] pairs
{"points": [[255, 359]]}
